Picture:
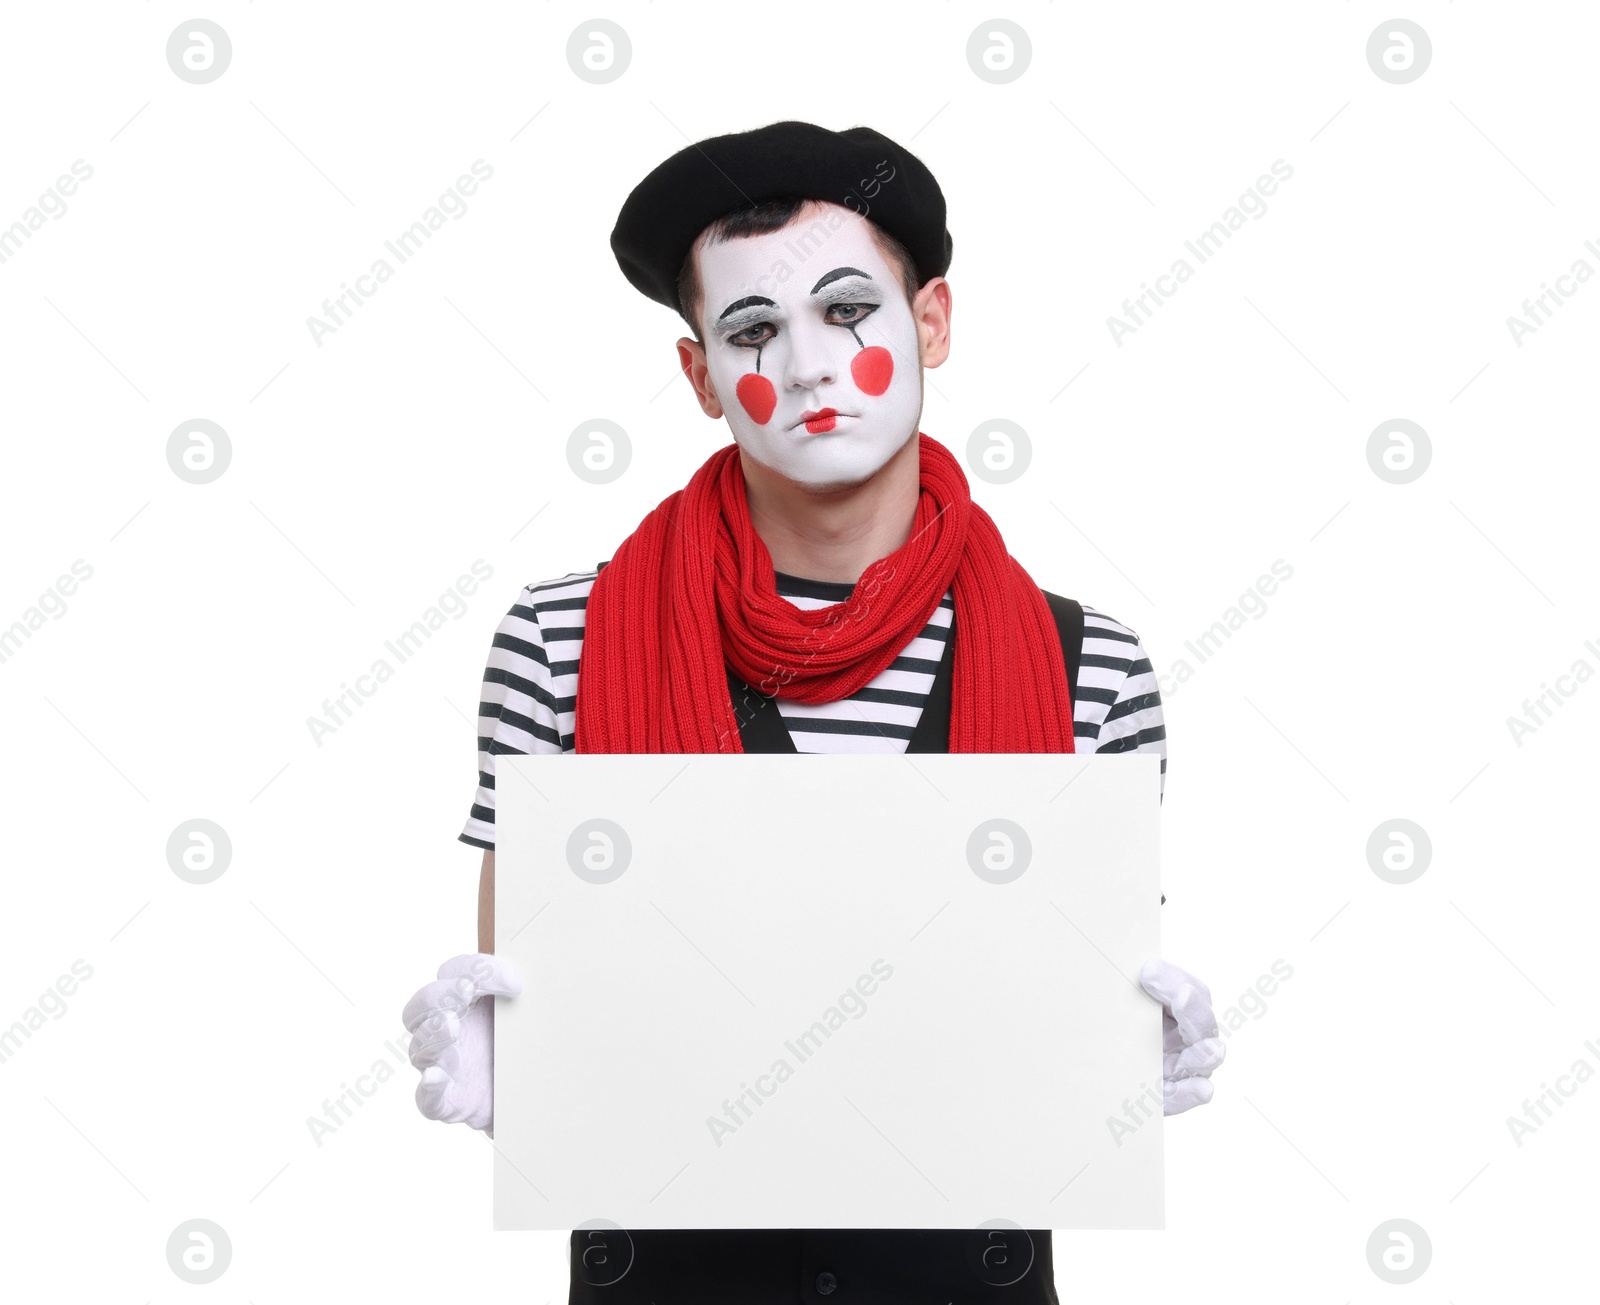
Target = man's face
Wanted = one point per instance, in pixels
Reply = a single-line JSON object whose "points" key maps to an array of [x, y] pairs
{"points": [[812, 347]]}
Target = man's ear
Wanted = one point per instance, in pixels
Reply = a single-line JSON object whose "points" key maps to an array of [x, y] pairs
{"points": [[931, 312], [692, 358]]}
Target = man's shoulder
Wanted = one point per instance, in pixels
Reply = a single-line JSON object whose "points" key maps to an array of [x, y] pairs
{"points": [[562, 592], [1102, 625], [546, 614], [1096, 624]]}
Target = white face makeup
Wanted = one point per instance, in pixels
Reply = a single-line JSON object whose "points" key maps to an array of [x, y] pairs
{"points": [[812, 348]]}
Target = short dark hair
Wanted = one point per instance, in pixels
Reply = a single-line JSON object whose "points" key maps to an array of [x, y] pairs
{"points": [[761, 219]]}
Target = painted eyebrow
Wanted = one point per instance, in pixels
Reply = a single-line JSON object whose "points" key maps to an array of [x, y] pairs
{"points": [[839, 273], [747, 302]]}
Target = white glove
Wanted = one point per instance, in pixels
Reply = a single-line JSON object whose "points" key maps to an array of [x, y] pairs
{"points": [[1191, 1043], [452, 1043]]}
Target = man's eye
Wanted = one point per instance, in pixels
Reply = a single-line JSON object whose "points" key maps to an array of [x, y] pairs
{"points": [[752, 336], [849, 314]]}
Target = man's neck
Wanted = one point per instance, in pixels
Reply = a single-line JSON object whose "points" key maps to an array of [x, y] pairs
{"points": [[838, 534]]}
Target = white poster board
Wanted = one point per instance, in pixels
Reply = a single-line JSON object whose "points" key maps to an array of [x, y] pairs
{"points": [[792, 991]]}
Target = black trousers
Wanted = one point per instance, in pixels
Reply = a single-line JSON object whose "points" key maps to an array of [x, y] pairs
{"points": [[812, 1266]]}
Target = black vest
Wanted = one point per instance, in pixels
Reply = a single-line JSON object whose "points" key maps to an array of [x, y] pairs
{"points": [[836, 1266]]}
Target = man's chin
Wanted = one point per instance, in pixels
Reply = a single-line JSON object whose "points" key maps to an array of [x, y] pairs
{"points": [[825, 477]]}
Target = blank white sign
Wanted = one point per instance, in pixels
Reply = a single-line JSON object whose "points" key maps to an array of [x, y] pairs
{"points": [[795, 991]]}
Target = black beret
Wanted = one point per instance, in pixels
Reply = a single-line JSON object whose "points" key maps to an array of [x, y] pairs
{"points": [[859, 168]]}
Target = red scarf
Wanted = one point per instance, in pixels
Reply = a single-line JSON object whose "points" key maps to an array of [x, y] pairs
{"points": [[693, 588]]}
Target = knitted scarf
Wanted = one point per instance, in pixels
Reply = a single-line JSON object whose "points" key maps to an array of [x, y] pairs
{"points": [[692, 590]]}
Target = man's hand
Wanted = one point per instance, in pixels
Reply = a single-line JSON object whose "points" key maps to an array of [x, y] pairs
{"points": [[452, 1038], [1191, 1043]]}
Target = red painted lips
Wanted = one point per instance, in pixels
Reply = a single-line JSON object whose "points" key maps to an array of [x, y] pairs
{"points": [[820, 421]]}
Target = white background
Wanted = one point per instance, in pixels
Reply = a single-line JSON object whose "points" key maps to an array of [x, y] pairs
{"points": [[369, 473]]}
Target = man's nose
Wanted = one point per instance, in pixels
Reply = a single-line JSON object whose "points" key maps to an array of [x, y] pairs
{"points": [[813, 358]]}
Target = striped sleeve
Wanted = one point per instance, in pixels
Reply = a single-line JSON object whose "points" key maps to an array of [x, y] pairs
{"points": [[1118, 708], [519, 710]]}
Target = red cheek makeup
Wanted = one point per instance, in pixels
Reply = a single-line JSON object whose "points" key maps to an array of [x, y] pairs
{"points": [[872, 369], [757, 397]]}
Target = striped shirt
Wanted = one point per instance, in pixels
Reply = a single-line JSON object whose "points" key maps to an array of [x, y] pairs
{"points": [[529, 698]]}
